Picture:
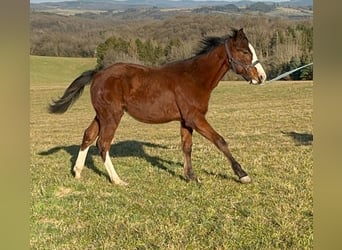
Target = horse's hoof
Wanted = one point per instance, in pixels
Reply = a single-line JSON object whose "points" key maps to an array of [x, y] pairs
{"points": [[77, 175], [245, 179], [120, 183], [77, 172], [192, 177]]}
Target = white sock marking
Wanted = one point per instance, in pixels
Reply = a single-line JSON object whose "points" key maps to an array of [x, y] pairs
{"points": [[79, 165], [114, 177]]}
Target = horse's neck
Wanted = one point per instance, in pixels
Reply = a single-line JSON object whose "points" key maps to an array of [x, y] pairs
{"points": [[212, 67]]}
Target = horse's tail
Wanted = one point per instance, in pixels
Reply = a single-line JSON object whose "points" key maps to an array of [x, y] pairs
{"points": [[72, 93]]}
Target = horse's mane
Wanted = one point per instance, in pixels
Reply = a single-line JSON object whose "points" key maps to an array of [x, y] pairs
{"points": [[208, 43]]}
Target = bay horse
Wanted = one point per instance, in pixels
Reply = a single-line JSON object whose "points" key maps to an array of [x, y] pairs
{"points": [[177, 91]]}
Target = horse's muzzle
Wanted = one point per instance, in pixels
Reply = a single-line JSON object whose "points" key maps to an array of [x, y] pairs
{"points": [[257, 82]]}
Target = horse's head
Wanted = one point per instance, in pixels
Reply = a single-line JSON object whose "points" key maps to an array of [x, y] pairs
{"points": [[243, 59]]}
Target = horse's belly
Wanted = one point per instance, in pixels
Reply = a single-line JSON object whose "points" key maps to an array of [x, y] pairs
{"points": [[158, 110]]}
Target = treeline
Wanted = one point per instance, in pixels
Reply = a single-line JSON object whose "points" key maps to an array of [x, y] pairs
{"points": [[232, 8], [281, 44], [149, 52]]}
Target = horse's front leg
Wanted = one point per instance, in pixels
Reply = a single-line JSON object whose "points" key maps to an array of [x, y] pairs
{"points": [[186, 137], [204, 128]]}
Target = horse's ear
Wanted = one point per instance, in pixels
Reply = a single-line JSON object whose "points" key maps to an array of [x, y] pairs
{"points": [[241, 34], [240, 38]]}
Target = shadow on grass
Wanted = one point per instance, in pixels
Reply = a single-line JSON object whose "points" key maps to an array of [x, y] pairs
{"points": [[300, 138], [220, 175], [130, 148]]}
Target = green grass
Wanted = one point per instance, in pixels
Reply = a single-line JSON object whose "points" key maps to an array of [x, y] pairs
{"points": [[269, 130], [46, 71]]}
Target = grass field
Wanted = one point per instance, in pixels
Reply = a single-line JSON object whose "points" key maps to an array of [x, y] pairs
{"points": [[269, 130]]}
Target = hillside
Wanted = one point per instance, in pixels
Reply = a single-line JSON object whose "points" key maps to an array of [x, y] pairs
{"points": [[154, 36], [114, 4], [302, 8]]}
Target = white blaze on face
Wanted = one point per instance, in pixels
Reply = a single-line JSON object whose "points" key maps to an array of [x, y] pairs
{"points": [[258, 66]]}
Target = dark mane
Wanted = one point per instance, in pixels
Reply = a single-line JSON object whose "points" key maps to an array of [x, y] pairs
{"points": [[208, 43]]}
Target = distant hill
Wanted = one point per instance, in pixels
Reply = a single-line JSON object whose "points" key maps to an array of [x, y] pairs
{"points": [[224, 8], [160, 9], [297, 3], [121, 5]]}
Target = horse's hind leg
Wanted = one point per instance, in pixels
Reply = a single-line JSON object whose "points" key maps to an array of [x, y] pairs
{"points": [[108, 125], [89, 137]]}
